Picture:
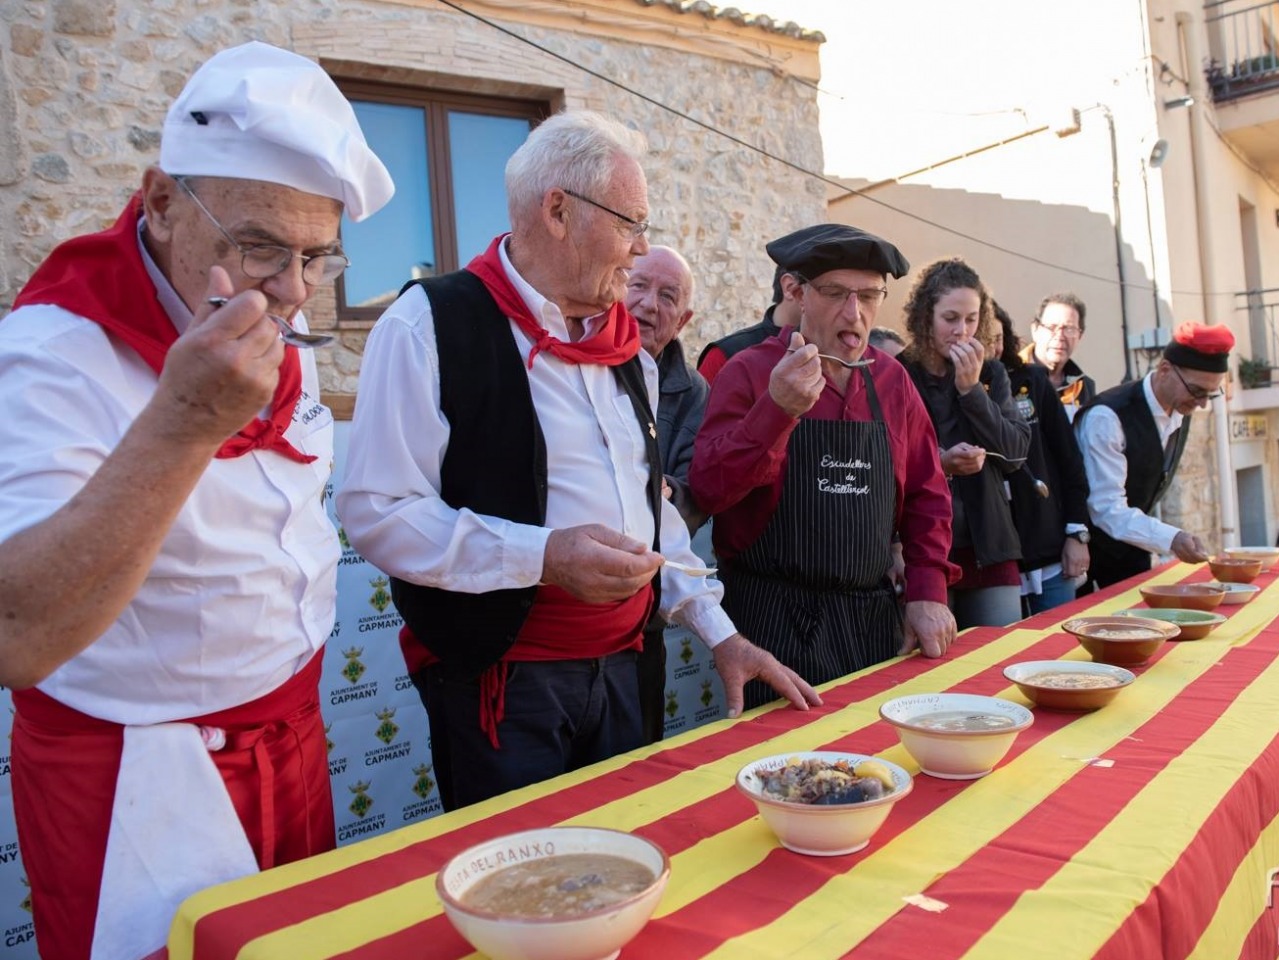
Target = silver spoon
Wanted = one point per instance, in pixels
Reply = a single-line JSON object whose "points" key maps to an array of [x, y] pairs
{"points": [[850, 364], [306, 341], [297, 338], [1041, 488]]}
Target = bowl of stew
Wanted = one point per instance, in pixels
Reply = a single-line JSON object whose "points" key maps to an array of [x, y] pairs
{"points": [[1118, 640], [823, 803], [1187, 596], [1268, 556], [555, 893], [956, 736], [1068, 684], [1193, 624], [1233, 568]]}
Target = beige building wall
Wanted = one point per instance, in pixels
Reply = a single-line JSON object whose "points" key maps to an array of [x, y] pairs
{"points": [[84, 86]]}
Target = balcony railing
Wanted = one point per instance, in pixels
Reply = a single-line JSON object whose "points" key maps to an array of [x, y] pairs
{"points": [[1243, 39], [1262, 309]]}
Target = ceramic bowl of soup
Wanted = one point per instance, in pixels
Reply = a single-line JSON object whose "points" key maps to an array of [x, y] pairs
{"points": [[1068, 684], [956, 736], [1268, 556], [555, 893], [1188, 596], [1237, 594], [1230, 569], [1193, 624], [823, 803], [1120, 641]]}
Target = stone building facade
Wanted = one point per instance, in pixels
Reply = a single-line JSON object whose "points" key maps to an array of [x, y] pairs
{"points": [[84, 86]]}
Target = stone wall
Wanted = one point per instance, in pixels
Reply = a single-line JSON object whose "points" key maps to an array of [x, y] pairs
{"points": [[84, 85]]}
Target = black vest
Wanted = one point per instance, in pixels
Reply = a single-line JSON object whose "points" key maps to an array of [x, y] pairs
{"points": [[1150, 471], [495, 465]]}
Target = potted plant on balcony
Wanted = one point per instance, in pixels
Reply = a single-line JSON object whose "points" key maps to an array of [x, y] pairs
{"points": [[1254, 373]]}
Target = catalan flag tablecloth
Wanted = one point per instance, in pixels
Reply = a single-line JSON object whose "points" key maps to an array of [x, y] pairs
{"points": [[1148, 829]]}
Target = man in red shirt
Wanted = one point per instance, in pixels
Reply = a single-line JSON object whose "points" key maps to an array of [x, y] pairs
{"points": [[814, 451]]}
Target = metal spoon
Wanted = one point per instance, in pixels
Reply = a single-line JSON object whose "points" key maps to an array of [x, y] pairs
{"points": [[1041, 488], [297, 338], [306, 341], [850, 364]]}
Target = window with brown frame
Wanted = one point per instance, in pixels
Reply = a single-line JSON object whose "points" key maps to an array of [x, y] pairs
{"points": [[446, 153]]}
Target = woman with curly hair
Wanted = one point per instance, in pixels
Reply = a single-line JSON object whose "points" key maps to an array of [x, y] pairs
{"points": [[950, 319]]}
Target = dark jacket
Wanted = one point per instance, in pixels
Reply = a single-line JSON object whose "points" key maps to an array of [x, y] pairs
{"points": [[987, 418], [681, 404], [1077, 388], [1151, 467], [739, 340], [1053, 458]]}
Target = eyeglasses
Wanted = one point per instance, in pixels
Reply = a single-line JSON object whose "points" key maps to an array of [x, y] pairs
{"points": [[635, 228], [869, 297], [1065, 332], [1197, 392], [264, 260]]}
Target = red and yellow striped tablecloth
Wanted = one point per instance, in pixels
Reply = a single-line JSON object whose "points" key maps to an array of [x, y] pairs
{"points": [[1164, 852]]}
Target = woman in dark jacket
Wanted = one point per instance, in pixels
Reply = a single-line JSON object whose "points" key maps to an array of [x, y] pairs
{"points": [[1050, 493], [949, 318]]}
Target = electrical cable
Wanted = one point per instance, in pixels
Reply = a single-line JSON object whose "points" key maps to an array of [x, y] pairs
{"points": [[847, 191]]}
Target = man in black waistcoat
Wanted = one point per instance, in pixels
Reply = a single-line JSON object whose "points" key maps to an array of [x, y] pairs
{"points": [[1132, 437], [504, 470]]}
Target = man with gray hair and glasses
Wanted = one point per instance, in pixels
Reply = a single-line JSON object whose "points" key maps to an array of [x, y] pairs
{"points": [[167, 568], [504, 470], [1054, 336]]}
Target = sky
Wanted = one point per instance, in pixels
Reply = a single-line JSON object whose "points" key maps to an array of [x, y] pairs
{"points": [[948, 76]]}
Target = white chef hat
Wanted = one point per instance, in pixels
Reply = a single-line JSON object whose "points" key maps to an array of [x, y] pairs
{"points": [[257, 112]]}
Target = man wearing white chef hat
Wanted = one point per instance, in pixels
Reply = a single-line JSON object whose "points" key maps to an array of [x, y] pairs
{"points": [[165, 460]]}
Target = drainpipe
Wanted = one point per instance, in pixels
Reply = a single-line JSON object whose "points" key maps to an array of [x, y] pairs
{"points": [[1198, 89], [1119, 240]]}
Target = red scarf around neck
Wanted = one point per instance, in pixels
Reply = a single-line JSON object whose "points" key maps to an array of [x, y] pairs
{"points": [[616, 341], [102, 278]]}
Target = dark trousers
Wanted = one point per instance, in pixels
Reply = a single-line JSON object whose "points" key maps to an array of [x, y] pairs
{"points": [[652, 680], [559, 715]]}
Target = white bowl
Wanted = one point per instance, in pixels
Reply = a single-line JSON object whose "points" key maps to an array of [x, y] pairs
{"points": [[1268, 556], [599, 935], [955, 754], [1237, 593], [821, 831]]}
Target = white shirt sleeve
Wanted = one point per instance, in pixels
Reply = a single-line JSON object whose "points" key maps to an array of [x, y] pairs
{"points": [[1101, 441], [389, 501], [691, 602]]}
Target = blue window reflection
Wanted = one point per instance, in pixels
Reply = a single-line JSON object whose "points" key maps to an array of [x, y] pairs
{"points": [[479, 147], [398, 244]]}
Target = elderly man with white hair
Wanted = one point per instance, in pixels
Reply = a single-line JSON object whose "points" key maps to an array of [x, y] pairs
{"points": [[504, 470], [167, 570]]}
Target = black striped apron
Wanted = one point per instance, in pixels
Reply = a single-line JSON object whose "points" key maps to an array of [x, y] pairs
{"points": [[813, 590]]}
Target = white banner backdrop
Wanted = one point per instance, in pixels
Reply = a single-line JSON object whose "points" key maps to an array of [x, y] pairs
{"points": [[378, 739]]}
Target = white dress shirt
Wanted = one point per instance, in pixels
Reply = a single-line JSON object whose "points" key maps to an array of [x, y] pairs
{"points": [[1102, 443], [389, 500], [243, 591]]}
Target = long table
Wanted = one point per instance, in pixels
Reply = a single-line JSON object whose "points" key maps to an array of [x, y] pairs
{"points": [[1148, 829]]}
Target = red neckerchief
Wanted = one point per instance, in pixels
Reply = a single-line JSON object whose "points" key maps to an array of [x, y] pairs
{"points": [[102, 278], [614, 343]]}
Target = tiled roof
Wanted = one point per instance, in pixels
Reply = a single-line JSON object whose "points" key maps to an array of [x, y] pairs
{"points": [[761, 20]]}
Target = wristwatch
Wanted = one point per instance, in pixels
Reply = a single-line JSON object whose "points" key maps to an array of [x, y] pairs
{"points": [[1083, 536]]}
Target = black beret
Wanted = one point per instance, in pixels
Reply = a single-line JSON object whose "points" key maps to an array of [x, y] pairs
{"points": [[812, 251]]}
